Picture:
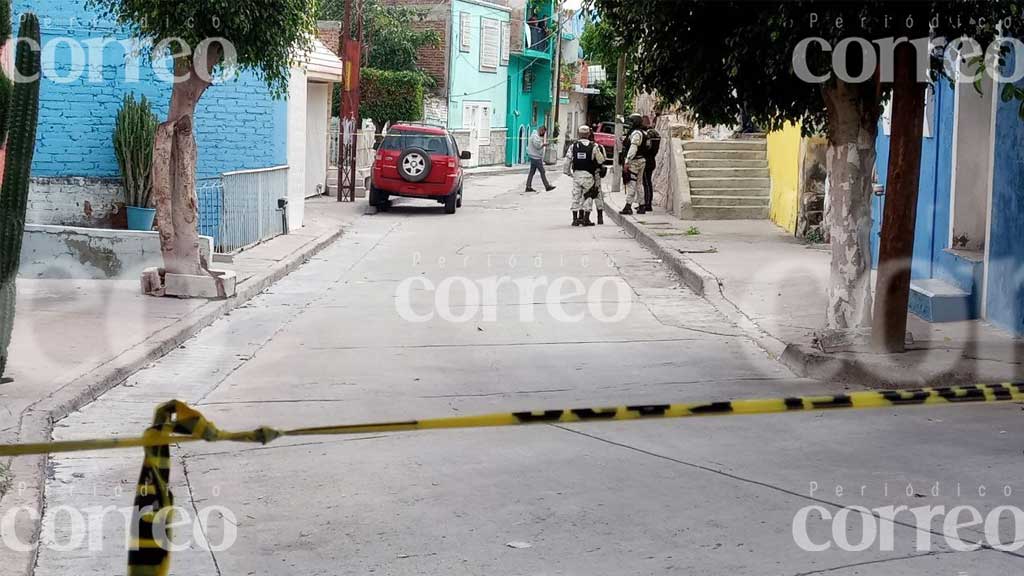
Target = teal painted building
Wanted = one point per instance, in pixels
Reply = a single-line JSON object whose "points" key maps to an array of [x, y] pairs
{"points": [[478, 76], [530, 72]]}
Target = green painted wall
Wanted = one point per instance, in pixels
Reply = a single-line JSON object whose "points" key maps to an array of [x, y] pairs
{"points": [[468, 82], [529, 105]]}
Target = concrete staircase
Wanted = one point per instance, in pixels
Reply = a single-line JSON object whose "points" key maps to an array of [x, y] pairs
{"points": [[728, 178]]}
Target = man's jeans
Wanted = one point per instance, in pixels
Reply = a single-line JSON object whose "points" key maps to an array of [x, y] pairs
{"points": [[537, 165], [652, 165]]}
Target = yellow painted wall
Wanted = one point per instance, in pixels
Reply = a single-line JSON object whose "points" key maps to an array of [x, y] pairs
{"points": [[784, 169]]}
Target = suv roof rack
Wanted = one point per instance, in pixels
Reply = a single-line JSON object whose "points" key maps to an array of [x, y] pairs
{"points": [[420, 123]]}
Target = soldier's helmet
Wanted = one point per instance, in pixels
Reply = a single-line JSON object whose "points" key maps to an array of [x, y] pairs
{"points": [[584, 131]]}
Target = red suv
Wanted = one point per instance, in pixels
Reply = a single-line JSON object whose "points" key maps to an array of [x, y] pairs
{"points": [[418, 161], [604, 137]]}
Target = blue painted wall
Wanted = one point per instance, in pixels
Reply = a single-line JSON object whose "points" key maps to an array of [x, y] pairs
{"points": [[931, 239], [1005, 289], [468, 82], [238, 124], [1006, 236]]}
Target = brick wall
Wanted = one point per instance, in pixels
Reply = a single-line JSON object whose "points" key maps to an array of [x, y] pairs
{"points": [[238, 124], [329, 33], [433, 61]]}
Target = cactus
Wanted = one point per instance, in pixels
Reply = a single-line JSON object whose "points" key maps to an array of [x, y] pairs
{"points": [[22, 112], [134, 134]]}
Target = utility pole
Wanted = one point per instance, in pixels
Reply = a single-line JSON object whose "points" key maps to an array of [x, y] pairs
{"points": [[553, 152], [896, 250], [620, 111], [349, 119]]}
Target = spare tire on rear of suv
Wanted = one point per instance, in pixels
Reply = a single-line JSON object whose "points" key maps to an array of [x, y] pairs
{"points": [[414, 165]]}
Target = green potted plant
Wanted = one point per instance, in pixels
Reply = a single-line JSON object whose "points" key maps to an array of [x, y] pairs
{"points": [[134, 134]]}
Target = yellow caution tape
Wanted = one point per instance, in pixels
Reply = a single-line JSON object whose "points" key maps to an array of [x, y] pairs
{"points": [[205, 431], [177, 423]]}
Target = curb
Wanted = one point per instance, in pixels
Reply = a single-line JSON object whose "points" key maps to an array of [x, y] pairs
{"points": [[37, 420], [703, 283], [505, 171], [803, 360]]}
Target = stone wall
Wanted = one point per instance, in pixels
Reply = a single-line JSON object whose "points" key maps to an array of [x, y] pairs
{"points": [[489, 155], [435, 110]]}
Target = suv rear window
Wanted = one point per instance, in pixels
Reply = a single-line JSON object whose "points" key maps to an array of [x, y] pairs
{"points": [[402, 140], [608, 128]]}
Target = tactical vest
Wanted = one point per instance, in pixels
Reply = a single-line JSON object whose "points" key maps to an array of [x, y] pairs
{"points": [[653, 144], [583, 158], [627, 143]]}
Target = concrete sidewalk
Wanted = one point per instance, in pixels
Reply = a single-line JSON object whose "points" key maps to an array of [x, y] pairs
{"points": [[75, 339], [498, 170], [775, 287]]}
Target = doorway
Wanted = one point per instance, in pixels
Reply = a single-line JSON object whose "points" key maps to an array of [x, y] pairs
{"points": [[318, 118], [971, 177], [476, 117]]}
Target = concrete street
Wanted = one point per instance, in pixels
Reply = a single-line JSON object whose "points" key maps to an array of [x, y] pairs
{"points": [[363, 332]]}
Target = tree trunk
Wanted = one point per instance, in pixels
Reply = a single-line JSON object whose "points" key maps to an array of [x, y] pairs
{"points": [[174, 172], [853, 111], [896, 252]]}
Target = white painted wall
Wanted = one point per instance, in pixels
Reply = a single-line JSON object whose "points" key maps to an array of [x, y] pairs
{"points": [[567, 118], [972, 161], [58, 252], [297, 105]]}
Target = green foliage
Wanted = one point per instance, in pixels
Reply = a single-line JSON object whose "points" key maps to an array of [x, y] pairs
{"points": [[6, 89], [718, 57], [392, 36], [5, 21], [815, 236], [134, 135], [693, 231], [24, 114], [390, 96], [265, 34], [391, 33], [602, 105], [599, 44], [567, 75], [6, 479]]}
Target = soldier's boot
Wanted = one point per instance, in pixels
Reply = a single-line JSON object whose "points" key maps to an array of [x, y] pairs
{"points": [[586, 219], [600, 217], [641, 209], [627, 211], [576, 218]]}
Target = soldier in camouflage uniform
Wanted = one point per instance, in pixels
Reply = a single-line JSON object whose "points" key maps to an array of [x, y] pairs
{"points": [[633, 165], [583, 162]]}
